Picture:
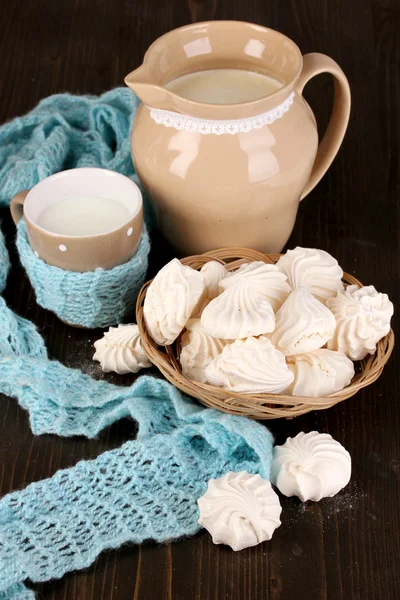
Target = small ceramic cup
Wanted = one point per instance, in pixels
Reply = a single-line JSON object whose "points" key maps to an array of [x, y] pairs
{"points": [[82, 252]]}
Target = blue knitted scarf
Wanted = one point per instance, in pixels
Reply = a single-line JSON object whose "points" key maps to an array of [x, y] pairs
{"points": [[147, 488]]}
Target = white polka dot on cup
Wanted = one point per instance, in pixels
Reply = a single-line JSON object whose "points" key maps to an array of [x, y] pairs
{"points": [[129, 232], [62, 248]]}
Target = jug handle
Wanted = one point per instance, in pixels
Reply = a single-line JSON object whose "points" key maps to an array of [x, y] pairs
{"points": [[314, 64]]}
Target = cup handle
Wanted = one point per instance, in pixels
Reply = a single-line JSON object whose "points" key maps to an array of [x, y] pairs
{"points": [[314, 64], [17, 206]]}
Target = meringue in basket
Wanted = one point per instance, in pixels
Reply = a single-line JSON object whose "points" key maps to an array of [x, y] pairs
{"points": [[266, 279], [249, 333], [250, 366], [313, 268], [241, 311], [171, 298], [213, 272], [362, 319], [319, 373], [303, 324], [198, 349]]}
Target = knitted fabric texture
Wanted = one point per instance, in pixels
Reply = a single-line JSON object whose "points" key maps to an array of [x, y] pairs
{"points": [[93, 299], [147, 489], [4, 263], [17, 592], [64, 132]]}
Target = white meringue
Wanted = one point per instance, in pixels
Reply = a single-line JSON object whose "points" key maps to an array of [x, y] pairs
{"points": [[250, 366], [198, 350], [311, 466], [120, 350], [266, 279], [319, 373], [362, 319], [170, 300], [316, 269], [303, 324], [212, 272], [239, 312], [240, 510]]}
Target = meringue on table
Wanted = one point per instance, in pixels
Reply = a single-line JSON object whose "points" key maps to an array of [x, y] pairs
{"points": [[363, 318], [316, 269], [250, 366], [311, 466], [303, 324], [240, 510], [120, 350], [170, 300], [319, 373]]}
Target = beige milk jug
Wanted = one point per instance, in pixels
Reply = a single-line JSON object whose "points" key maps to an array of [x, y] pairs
{"points": [[224, 142]]}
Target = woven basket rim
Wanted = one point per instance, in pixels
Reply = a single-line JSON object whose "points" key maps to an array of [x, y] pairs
{"points": [[256, 406]]}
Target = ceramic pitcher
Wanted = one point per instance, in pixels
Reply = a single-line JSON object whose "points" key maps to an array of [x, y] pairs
{"points": [[234, 174]]}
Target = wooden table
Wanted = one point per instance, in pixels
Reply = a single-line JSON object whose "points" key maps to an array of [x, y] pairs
{"points": [[339, 549]]}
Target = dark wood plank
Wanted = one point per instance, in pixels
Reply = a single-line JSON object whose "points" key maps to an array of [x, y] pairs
{"points": [[339, 549]]}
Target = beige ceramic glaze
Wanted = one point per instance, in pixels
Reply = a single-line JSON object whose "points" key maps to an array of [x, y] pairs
{"points": [[238, 189], [88, 252]]}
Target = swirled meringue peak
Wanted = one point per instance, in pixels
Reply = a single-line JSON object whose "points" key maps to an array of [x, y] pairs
{"points": [[266, 279], [198, 349], [316, 269], [212, 272], [171, 298], [120, 350], [240, 510], [362, 319], [319, 373], [250, 366], [239, 312], [310, 466], [303, 324]]}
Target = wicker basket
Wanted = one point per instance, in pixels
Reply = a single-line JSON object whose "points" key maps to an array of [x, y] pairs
{"points": [[257, 406]]}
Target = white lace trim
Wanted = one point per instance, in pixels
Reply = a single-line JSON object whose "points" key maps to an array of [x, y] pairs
{"points": [[206, 126]]}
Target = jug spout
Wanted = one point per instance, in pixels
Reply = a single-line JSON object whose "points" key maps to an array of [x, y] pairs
{"points": [[151, 94]]}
